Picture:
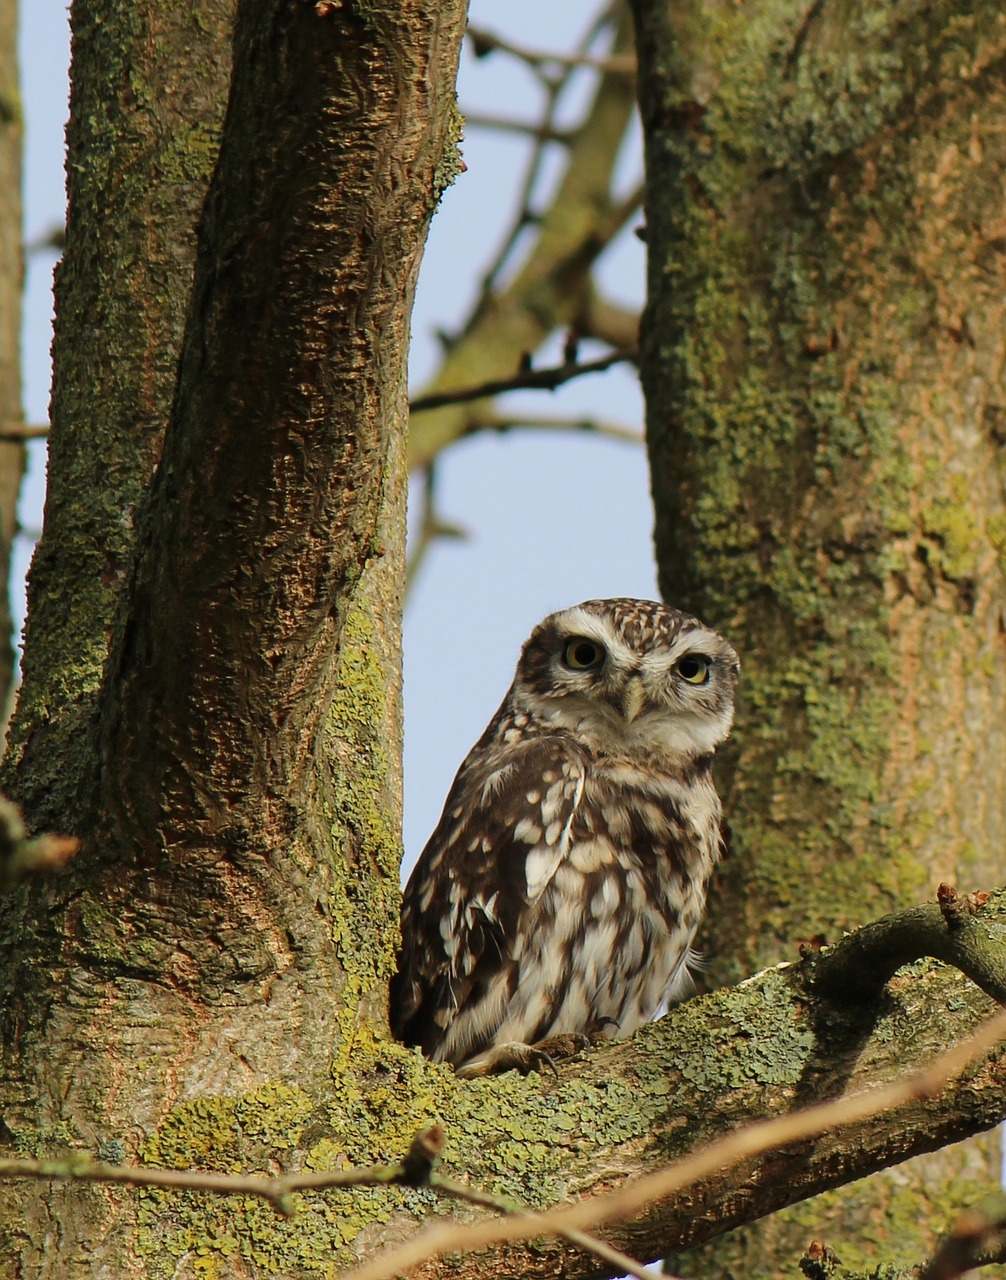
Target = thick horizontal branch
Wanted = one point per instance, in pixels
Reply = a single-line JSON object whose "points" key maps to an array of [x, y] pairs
{"points": [[771, 1136], [768, 1048]]}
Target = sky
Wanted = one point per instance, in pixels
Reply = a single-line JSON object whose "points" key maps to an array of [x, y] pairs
{"points": [[552, 518]]}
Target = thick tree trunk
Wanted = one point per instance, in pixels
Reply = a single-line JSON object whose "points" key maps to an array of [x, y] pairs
{"points": [[215, 709], [148, 90], [823, 368]]}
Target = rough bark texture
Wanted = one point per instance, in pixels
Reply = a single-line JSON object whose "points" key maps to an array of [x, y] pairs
{"points": [[750, 1052], [12, 456], [228, 930], [823, 363], [148, 91]]}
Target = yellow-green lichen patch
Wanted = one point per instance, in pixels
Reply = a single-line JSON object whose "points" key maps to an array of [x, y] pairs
{"points": [[759, 1043], [451, 164], [365, 897], [215, 1133]]}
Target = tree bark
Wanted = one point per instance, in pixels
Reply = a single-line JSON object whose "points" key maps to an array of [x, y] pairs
{"points": [[822, 359], [223, 726], [148, 89]]}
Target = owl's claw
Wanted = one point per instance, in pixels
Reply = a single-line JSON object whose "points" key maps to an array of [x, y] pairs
{"points": [[525, 1058]]}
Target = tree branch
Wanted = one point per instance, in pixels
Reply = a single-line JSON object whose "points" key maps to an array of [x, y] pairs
{"points": [[22, 855], [550, 287], [540, 132], [656, 1116], [731, 1152], [948, 930], [19, 431], [547, 379], [485, 42], [416, 1169], [765, 1049], [540, 422]]}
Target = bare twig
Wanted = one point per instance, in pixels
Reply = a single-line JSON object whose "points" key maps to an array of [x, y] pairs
{"points": [[506, 1204], [278, 1191], [417, 1169], [541, 422], [485, 42], [431, 527], [630, 1199], [538, 130], [528, 379], [553, 88], [552, 283]]}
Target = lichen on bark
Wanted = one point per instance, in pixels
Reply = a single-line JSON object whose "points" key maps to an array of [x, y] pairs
{"points": [[822, 362]]}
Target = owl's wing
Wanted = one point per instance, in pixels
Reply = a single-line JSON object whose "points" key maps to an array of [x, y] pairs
{"points": [[504, 831]]}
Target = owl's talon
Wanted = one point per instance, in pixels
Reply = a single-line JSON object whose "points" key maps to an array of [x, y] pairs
{"points": [[525, 1058], [566, 1044], [512, 1056]]}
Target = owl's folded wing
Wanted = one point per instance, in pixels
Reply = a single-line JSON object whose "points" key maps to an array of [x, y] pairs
{"points": [[505, 829]]}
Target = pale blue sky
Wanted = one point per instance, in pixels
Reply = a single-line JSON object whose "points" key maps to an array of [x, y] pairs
{"points": [[553, 519]]}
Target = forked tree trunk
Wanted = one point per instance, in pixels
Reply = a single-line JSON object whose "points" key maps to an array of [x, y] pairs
{"points": [[212, 689], [823, 366]]}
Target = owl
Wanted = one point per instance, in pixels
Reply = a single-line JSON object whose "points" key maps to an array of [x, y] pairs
{"points": [[557, 899]]}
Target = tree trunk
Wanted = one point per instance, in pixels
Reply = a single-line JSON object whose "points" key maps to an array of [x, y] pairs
{"points": [[822, 360], [212, 695], [149, 85]]}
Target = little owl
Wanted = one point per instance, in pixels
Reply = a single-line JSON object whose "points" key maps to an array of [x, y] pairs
{"points": [[559, 895]]}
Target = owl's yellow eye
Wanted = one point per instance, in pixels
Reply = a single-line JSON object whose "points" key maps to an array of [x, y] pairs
{"points": [[695, 668], [581, 654]]}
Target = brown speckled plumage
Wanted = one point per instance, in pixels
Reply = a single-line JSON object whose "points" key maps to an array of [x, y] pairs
{"points": [[561, 890]]}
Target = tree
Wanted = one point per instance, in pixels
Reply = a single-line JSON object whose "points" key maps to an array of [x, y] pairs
{"points": [[210, 701]]}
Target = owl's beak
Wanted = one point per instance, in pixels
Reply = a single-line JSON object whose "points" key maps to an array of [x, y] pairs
{"points": [[633, 698]]}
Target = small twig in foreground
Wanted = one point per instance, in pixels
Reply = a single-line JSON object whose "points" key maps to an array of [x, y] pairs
{"points": [[590, 1244]]}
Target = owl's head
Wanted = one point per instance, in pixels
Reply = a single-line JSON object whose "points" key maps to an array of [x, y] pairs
{"points": [[633, 675]]}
